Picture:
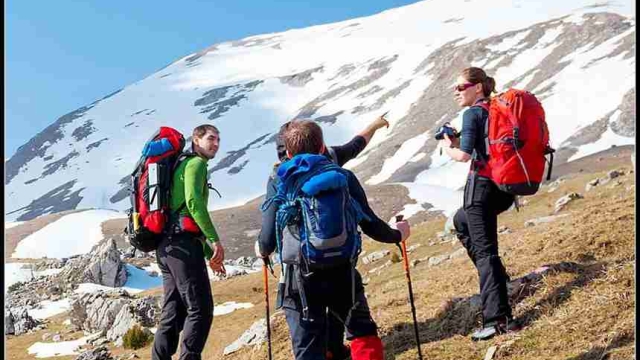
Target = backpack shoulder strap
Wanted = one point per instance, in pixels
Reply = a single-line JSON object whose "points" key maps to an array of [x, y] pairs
{"points": [[332, 153]]}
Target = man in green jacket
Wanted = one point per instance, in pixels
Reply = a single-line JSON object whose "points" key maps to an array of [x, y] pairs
{"points": [[188, 302]]}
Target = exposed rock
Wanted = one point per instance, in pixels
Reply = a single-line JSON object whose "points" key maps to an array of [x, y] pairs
{"points": [[614, 174], [458, 253], [504, 230], [9, 324], [591, 184], [437, 260], [554, 185], [412, 248], [56, 338], [99, 353], [448, 226], [563, 201], [544, 219], [375, 256], [144, 312], [20, 323], [95, 311], [105, 267], [246, 261], [255, 335], [376, 270]]}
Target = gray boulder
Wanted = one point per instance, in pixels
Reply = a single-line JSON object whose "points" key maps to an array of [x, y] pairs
{"points": [[105, 267], [9, 321], [437, 260], [591, 184], [543, 220], [20, 323], [143, 312], [375, 256], [563, 201], [99, 353], [97, 311], [255, 335]]}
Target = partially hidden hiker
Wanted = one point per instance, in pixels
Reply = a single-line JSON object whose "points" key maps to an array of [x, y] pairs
{"points": [[336, 350], [191, 237], [507, 153], [319, 208]]}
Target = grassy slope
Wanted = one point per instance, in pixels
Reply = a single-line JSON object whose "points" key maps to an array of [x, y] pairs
{"points": [[582, 310]]}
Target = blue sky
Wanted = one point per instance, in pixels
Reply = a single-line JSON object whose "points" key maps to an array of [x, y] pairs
{"points": [[63, 54]]}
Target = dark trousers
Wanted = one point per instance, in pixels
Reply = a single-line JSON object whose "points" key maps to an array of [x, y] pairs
{"points": [[188, 302], [327, 289], [476, 224]]}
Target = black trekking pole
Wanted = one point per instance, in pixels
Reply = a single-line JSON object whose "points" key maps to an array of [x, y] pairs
{"points": [[266, 297], [405, 257]]}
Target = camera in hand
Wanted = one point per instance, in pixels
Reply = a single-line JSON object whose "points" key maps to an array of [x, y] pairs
{"points": [[446, 129]]}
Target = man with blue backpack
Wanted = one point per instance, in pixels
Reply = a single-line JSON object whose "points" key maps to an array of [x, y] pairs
{"points": [[319, 208], [340, 155]]}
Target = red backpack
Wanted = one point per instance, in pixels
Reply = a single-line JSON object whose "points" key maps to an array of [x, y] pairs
{"points": [[517, 141], [151, 185]]}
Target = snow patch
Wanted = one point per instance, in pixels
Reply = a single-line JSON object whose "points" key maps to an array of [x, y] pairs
{"points": [[70, 235], [9, 225], [606, 141], [62, 348], [406, 151], [229, 307], [49, 308], [441, 198]]}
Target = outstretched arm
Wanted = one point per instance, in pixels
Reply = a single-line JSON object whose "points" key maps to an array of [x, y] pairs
{"points": [[371, 129], [375, 227]]}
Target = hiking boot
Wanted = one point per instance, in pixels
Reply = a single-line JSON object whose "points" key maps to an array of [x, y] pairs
{"points": [[494, 328]]}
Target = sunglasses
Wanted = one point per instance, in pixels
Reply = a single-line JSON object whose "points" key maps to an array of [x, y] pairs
{"points": [[462, 87]]}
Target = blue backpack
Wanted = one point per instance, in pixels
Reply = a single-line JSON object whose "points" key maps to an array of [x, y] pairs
{"points": [[317, 220]]}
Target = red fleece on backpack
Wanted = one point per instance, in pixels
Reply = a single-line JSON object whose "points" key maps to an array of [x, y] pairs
{"points": [[367, 348]]}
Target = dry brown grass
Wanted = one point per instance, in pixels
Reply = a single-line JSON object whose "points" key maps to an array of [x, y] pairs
{"points": [[583, 309]]}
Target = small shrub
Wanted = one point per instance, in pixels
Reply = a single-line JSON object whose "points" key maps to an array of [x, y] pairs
{"points": [[395, 258], [15, 286], [136, 338]]}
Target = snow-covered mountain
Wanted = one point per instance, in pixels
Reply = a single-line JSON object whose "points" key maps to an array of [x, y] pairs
{"points": [[577, 56]]}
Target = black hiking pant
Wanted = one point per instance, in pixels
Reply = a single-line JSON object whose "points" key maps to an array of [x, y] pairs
{"points": [[188, 302], [476, 225], [330, 289]]}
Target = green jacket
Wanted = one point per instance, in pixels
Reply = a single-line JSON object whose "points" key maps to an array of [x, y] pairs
{"points": [[190, 187]]}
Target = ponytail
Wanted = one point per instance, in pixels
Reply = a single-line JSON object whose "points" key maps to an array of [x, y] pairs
{"points": [[476, 75]]}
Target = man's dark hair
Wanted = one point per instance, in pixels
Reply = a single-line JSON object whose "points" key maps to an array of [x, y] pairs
{"points": [[303, 137], [203, 129]]}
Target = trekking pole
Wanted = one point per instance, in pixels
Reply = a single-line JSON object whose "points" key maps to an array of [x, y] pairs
{"points": [[405, 257], [266, 297]]}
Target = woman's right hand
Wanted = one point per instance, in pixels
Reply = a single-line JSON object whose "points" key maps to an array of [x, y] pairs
{"points": [[404, 228]]}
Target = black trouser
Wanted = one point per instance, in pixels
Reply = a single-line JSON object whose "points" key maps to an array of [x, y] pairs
{"points": [[477, 226], [330, 289], [188, 302]]}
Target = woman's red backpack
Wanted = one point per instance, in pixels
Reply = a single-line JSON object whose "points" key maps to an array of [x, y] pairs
{"points": [[517, 142], [151, 185]]}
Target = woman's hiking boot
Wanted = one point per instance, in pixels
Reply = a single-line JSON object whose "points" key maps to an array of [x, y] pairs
{"points": [[494, 328]]}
